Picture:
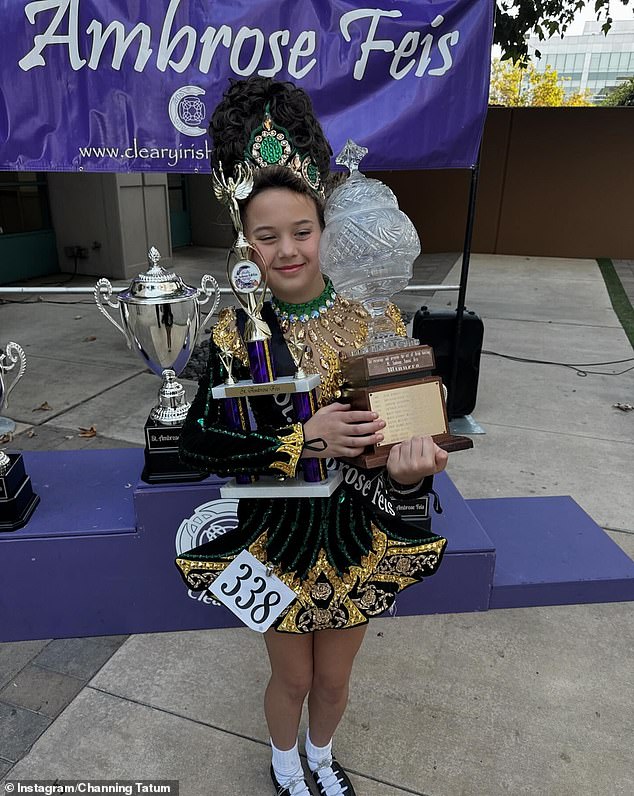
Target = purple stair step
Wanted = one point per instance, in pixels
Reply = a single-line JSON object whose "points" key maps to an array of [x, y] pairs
{"points": [[550, 552], [81, 492], [463, 582]]}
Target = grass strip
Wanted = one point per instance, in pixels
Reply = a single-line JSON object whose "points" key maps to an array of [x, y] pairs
{"points": [[620, 301]]}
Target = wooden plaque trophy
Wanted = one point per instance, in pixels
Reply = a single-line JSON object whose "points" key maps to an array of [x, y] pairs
{"points": [[367, 248]]}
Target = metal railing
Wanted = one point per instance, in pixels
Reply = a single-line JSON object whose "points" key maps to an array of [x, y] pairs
{"points": [[224, 290]]}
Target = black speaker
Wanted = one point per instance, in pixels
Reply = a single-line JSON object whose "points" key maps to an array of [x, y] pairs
{"points": [[436, 328]]}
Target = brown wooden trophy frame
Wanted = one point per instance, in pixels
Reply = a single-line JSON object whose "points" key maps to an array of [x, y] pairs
{"points": [[399, 386]]}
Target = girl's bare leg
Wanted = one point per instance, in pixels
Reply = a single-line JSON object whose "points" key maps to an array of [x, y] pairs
{"points": [[291, 658], [333, 655]]}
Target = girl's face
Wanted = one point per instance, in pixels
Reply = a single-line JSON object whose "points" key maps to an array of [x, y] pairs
{"points": [[284, 225]]}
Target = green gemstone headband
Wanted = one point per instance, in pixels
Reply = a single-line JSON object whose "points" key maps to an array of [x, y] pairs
{"points": [[270, 145]]}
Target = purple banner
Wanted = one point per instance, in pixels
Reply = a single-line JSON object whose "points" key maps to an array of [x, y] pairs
{"points": [[129, 85]]}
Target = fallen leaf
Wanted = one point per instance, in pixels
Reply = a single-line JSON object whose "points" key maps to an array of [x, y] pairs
{"points": [[87, 432], [78, 317], [89, 339], [623, 407], [68, 436], [43, 407], [30, 434]]}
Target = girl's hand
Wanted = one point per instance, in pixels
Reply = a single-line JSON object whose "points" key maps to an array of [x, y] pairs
{"points": [[410, 461], [345, 431]]}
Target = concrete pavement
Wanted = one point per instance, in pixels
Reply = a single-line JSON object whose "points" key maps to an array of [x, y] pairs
{"points": [[522, 701]]}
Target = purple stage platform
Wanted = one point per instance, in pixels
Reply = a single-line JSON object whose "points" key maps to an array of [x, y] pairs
{"points": [[97, 556]]}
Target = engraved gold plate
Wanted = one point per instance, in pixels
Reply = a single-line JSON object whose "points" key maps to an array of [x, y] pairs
{"points": [[410, 411]]}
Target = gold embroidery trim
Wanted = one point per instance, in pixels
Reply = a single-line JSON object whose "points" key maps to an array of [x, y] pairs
{"points": [[394, 314], [340, 331], [226, 336], [292, 445]]}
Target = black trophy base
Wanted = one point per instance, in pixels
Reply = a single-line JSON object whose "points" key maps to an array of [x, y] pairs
{"points": [[17, 498], [162, 463]]}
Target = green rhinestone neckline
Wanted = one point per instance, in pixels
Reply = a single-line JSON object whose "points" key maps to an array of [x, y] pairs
{"points": [[307, 311]]}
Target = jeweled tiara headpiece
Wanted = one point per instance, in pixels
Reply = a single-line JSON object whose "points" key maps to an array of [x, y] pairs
{"points": [[270, 145]]}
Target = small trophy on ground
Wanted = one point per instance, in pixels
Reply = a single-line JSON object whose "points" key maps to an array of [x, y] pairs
{"points": [[161, 320], [17, 499], [368, 248], [248, 283]]}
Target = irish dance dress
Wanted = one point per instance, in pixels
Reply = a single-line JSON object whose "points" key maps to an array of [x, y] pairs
{"points": [[344, 557]]}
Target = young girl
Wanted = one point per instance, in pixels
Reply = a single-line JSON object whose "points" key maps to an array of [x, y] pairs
{"points": [[345, 560]]}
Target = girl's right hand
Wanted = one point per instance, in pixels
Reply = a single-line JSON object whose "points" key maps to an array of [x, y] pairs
{"points": [[345, 431]]}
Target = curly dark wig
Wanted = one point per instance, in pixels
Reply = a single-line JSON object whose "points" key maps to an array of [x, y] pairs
{"points": [[241, 110]]}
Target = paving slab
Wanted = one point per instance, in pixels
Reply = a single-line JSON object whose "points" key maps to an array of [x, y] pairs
{"points": [[481, 723], [549, 683], [625, 540], [519, 462], [16, 655], [152, 669], [544, 397], [537, 288], [41, 690], [62, 384], [468, 692], [19, 728], [119, 412], [104, 737], [73, 332], [5, 765], [78, 657], [48, 437]]}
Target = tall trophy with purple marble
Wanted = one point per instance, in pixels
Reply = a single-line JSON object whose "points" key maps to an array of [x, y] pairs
{"points": [[161, 318], [248, 283], [17, 499]]}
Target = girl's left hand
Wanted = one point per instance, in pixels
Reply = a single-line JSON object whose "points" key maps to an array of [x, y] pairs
{"points": [[413, 459]]}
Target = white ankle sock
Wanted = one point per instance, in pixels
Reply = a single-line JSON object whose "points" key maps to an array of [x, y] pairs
{"points": [[286, 764], [317, 754]]}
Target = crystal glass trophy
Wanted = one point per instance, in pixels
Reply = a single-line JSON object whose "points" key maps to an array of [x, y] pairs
{"points": [[161, 318], [248, 283], [17, 499], [368, 248]]}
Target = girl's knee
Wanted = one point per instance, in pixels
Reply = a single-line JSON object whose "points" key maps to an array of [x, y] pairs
{"points": [[295, 685], [330, 688]]}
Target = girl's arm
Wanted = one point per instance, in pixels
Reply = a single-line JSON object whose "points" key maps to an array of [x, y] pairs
{"points": [[207, 442]]}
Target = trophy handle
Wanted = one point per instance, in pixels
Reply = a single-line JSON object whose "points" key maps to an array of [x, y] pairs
{"points": [[14, 353], [209, 287], [103, 293]]}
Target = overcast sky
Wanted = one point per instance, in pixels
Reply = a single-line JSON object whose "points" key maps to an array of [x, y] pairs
{"points": [[619, 11]]}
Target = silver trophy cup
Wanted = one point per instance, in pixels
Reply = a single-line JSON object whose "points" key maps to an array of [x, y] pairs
{"points": [[13, 355], [160, 320], [17, 499]]}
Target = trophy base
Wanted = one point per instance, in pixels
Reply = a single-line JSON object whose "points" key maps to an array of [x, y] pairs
{"points": [[377, 457], [17, 499], [162, 462], [269, 487]]}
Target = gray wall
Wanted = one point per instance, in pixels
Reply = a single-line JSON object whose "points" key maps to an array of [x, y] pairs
{"points": [[211, 225], [115, 217]]}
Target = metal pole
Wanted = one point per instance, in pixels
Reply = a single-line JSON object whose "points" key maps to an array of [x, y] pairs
{"points": [[223, 290], [464, 275]]}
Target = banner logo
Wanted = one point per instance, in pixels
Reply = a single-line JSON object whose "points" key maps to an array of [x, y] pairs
{"points": [[186, 110]]}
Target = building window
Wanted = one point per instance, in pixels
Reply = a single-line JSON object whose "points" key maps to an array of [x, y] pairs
{"points": [[24, 203]]}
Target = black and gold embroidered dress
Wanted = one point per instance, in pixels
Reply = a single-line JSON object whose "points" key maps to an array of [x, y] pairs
{"points": [[345, 560]]}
